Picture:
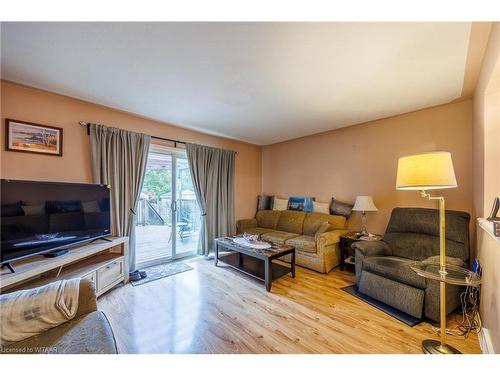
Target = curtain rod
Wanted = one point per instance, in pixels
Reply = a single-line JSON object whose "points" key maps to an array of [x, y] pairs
{"points": [[174, 141]]}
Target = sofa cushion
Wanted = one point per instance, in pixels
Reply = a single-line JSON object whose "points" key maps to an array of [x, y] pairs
{"points": [[267, 218], [291, 221], [313, 221], [394, 268], [277, 236], [303, 243], [257, 230], [325, 227], [89, 333]]}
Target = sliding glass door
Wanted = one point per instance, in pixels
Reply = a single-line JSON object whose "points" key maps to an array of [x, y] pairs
{"points": [[168, 217]]}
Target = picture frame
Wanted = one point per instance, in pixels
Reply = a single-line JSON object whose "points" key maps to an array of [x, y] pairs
{"points": [[494, 210], [23, 136]]}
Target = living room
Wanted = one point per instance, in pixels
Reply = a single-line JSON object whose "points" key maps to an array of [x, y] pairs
{"points": [[250, 187]]}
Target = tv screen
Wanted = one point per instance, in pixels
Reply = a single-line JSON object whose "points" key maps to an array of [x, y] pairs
{"points": [[39, 217]]}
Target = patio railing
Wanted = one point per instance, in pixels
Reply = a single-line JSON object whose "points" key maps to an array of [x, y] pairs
{"points": [[147, 214]]}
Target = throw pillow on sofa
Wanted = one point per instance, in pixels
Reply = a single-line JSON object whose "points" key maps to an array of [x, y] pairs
{"points": [[265, 202], [340, 208], [323, 208], [280, 204], [301, 204]]}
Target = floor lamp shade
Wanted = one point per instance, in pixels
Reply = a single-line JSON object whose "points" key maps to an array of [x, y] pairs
{"points": [[433, 170]]}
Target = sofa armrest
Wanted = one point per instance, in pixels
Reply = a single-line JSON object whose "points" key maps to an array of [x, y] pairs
{"points": [[330, 237], [241, 225], [371, 248], [87, 300]]}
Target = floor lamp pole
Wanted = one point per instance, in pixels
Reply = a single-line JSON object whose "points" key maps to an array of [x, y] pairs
{"points": [[434, 346]]}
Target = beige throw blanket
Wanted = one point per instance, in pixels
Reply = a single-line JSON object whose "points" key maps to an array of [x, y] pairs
{"points": [[26, 313]]}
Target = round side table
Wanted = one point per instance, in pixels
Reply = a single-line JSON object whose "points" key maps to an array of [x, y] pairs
{"points": [[454, 275]]}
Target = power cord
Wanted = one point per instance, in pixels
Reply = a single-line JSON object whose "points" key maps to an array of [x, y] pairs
{"points": [[470, 320]]}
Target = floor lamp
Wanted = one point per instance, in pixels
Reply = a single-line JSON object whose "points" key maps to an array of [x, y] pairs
{"points": [[433, 170]]}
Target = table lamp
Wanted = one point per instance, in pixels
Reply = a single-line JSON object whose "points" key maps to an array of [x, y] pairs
{"points": [[364, 203], [433, 170]]}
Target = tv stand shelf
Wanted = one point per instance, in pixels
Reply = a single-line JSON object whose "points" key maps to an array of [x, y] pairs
{"points": [[105, 263]]}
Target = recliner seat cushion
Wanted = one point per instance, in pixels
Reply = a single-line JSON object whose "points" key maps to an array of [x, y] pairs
{"points": [[303, 243], [278, 237], [291, 221], [267, 218], [394, 268]]}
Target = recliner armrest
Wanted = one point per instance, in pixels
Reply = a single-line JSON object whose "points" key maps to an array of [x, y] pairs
{"points": [[372, 248], [243, 224]]}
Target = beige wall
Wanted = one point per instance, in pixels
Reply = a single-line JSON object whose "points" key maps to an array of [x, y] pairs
{"points": [[486, 159], [28, 104], [362, 160]]}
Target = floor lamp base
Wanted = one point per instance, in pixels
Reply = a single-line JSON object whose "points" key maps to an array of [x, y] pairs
{"points": [[435, 347]]}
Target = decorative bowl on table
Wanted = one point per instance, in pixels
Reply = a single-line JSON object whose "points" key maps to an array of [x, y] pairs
{"points": [[250, 237], [251, 240]]}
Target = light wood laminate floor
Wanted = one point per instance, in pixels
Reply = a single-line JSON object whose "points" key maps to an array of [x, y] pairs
{"points": [[219, 310]]}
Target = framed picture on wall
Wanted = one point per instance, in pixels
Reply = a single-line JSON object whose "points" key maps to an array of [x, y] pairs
{"points": [[25, 136]]}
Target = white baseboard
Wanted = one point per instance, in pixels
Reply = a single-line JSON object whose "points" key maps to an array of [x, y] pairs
{"points": [[485, 341]]}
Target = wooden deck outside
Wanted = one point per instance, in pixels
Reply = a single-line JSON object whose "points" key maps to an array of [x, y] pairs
{"points": [[152, 241]]}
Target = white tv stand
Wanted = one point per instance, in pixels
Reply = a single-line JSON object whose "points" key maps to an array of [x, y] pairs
{"points": [[105, 263]]}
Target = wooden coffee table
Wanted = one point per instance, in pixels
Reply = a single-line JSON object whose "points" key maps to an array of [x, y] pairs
{"points": [[255, 262]]}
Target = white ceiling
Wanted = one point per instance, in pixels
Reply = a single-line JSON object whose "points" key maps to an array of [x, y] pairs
{"points": [[257, 82]]}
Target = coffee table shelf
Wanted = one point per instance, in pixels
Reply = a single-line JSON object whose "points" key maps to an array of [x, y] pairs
{"points": [[257, 263], [252, 266]]}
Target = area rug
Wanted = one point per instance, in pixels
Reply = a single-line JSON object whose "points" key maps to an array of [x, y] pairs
{"points": [[161, 271], [399, 315]]}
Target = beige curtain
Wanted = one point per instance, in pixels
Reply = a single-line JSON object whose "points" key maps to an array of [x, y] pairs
{"points": [[212, 172], [119, 159]]}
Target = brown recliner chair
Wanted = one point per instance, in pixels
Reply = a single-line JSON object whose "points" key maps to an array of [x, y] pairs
{"points": [[383, 267]]}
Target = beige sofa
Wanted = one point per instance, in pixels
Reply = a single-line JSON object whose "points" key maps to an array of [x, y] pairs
{"points": [[89, 332], [314, 250]]}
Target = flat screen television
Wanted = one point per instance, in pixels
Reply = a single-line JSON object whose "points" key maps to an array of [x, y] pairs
{"points": [[42, 217]]}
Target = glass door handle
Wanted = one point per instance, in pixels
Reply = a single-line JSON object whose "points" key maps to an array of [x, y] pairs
{"points": [[173, 206]]}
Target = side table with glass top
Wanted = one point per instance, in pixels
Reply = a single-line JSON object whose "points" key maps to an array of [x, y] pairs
{"points": [[453, 275]]}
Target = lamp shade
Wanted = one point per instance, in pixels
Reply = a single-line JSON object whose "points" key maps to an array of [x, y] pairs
{"points": [[433, 170], [364, 203]]}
